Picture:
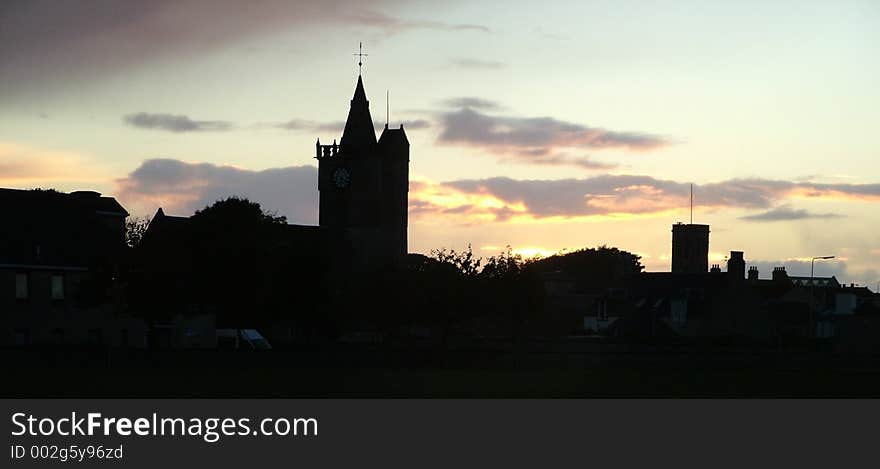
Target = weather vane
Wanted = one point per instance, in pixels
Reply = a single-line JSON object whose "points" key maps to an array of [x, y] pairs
{"points": [[360, 55]]}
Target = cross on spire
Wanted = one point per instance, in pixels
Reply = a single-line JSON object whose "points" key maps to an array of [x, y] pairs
{"points": [[360, 55]]}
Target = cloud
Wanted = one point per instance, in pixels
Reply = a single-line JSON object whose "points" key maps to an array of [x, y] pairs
{"points": [[312, 126], [503, 133], [845, 272], [174, 123], [336, 127], [416, 124], [471, 102], [182, 188], [533, 140], [563, 159], [786, 213], [478, 64], [45, 43], [502, 199], [393, 25]]}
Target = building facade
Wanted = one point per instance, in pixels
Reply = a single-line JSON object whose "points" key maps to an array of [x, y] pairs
{"points": [[59, 264]]}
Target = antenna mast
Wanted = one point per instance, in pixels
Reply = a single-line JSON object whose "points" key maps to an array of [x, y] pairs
{"points": [[387, 109], [692, 203]]}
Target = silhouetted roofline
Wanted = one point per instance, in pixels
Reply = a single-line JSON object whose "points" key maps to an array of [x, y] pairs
{"points": [[101, 205], [393, 135]]}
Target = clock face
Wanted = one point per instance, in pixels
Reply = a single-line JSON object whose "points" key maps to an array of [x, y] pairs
{"points": [[341, 177]]}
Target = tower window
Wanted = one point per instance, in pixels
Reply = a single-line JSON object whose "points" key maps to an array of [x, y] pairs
{"points": [[21, 286]]}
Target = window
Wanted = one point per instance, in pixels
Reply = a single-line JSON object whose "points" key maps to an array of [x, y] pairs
{"points": [[57, 287], [678, 309], [21, 286]]}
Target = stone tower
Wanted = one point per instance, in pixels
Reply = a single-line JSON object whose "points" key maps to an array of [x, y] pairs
{"points": [[690, 248], [363, 186]]}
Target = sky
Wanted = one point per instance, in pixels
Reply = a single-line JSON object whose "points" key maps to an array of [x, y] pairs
{"points": [[546, 126]]}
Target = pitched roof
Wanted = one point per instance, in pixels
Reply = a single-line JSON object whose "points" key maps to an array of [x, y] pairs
{"points": [[393, 136]]}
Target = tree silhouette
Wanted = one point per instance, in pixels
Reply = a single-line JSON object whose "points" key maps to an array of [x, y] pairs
{"points": [[135, 227], [231, 259], [593, 267]]}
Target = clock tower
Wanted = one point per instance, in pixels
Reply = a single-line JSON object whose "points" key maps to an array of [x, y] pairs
{"points": [[363, 185]]}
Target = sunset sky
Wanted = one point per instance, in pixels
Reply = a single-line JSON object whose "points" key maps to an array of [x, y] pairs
{"points": [[542, 125]]}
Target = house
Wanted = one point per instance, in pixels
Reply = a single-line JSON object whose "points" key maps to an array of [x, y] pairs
{"points": [[713, 304], [60, 257]]}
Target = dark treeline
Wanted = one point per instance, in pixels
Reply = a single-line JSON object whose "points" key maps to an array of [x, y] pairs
{"points": [[241, 264]]}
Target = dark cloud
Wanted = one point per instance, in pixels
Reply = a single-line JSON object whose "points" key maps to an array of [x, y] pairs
{"points": [[470, 127], [392, 25], [297, 124], [562, 159], [336, 127], [174, 123], [181, 188], [46, 42], [786, 213], [572, 197], [416, 124], [532, 140], [471, 102], [478, 64]]}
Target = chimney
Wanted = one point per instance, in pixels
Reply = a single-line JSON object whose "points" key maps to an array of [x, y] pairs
{"points": [[779, 273], [753, 273], [716, 269], [736, 265]]}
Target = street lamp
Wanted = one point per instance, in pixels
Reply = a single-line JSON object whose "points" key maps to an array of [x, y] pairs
{"points": [[811, 265], [812, 281]]}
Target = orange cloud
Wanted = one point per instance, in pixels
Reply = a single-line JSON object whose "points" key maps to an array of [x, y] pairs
{"points": [[609, 197]]}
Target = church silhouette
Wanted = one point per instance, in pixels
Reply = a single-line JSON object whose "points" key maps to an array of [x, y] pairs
{"points": [[364, 185]]}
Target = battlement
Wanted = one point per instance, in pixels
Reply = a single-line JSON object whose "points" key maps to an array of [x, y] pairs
{"points": [[326, 151]]}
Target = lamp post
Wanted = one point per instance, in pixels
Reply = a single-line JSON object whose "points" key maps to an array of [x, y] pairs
{"points": [[814, 260], [812, 281]]}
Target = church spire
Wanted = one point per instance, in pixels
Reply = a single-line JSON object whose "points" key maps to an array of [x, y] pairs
{"points": [[359, 134]]}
